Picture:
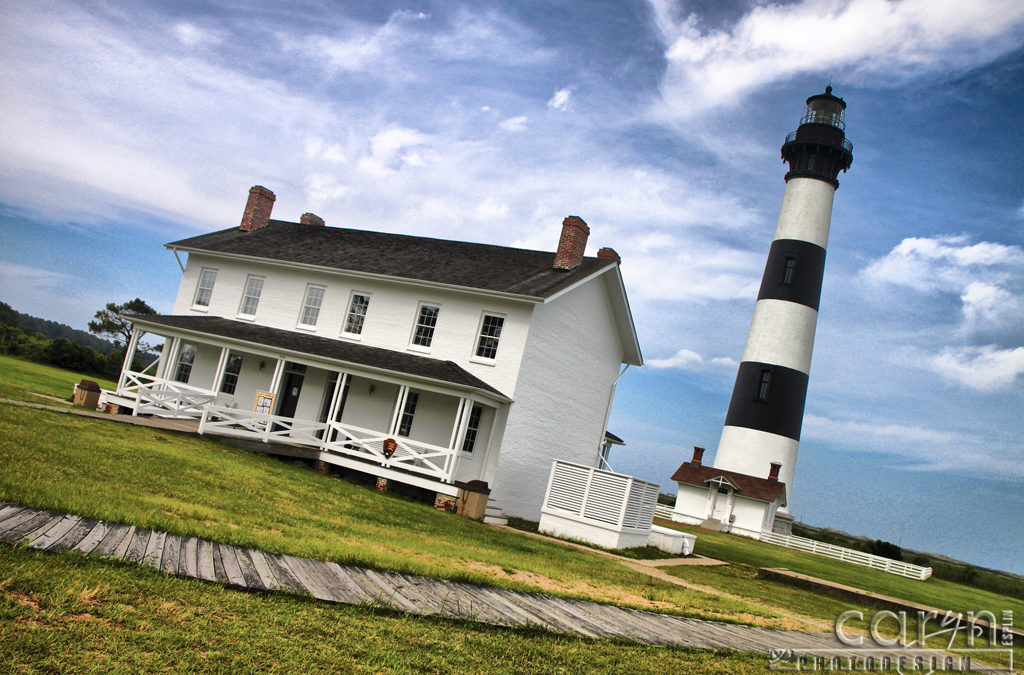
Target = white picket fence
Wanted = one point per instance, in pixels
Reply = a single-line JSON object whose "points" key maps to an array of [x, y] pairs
{"points": [[663, 511], [848, 555]]}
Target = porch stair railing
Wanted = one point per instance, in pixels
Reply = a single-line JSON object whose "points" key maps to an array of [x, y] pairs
{"points": [[170, 402]]}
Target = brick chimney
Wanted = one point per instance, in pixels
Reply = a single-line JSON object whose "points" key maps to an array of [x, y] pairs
{"points": [[773, 473], [257, 209], [609, 254], [311, 219], [698, 455], [571, 244]]}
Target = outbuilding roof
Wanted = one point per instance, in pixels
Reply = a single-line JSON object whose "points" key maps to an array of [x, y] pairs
{"points": [[263, 338], [485, 267], [745, 485]]}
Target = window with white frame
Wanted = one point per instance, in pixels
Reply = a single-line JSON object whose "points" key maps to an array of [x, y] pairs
{"points": [[472, 429], [356, 313], [311, 305], [204, 289], [490, 334], [426, 320], [408, 412], [251, 295], [230, 380], [185, 360]]}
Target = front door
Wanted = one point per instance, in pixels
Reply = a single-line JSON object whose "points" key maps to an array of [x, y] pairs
{"points": [[721, 503], [288, 397]]}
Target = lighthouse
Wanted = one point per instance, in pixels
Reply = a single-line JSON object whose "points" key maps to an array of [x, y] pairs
{"points": [[762, 427]]}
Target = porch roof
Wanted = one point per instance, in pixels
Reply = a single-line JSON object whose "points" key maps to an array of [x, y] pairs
{"points": [[752, 487], [263, 338]]}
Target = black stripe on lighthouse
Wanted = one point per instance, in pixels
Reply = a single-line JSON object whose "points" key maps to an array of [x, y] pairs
{"points": [[793, 272], [769, 398]]}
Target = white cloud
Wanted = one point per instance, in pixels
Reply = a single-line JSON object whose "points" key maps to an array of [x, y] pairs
{"points": [[514, 123], [561, 100], [985, 368], [855, 39], [941, 263], [686, 359]]}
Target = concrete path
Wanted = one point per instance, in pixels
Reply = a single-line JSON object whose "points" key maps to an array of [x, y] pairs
{"points": [[257, 570]]}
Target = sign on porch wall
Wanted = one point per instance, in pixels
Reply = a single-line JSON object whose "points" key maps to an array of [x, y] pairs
{"points": [[264, 402]]}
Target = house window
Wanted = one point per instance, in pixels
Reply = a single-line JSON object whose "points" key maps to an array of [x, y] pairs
{"points": [[423, 334], [234, 366], [251, 295], [490, 333], [472, 429], [207, 277], [185, 361], [789, 271], [408, 412], [311, 305], [764, 387], [357, 313]]}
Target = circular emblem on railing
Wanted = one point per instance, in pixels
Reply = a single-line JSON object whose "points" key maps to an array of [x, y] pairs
{"points": [[390, 445]]}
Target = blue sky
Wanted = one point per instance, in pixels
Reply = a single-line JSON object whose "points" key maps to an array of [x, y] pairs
{"points": [[127, 125]]}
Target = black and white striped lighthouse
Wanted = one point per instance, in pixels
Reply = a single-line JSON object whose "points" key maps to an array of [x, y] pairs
{"points": [[766, 412]]}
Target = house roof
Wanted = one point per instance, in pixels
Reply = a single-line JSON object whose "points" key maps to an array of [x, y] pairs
{"points": [[376, 358], [752, 487], [609, 437], [485, 267]]}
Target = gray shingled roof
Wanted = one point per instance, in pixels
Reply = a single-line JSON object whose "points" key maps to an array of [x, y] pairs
{"points": [[456, 263], [263, 337]]}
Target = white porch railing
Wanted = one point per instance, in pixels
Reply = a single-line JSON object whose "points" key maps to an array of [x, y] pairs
{"points": [[344, 439], [171, 403], [848, 555]]}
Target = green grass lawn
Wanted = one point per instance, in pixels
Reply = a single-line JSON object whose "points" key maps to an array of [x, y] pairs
{"points": [[70, 614], [20, 379]]}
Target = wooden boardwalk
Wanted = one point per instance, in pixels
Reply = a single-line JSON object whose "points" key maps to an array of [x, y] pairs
{"points": [[257, 570]]}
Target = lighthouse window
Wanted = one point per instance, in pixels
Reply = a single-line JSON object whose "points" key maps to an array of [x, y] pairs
{"points": [[810, 163], [765, 386], [789, 271]]}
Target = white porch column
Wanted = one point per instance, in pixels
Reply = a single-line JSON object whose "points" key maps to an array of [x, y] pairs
{"points": [[403, 394], [332, 410], [222, 363], [129, 356], [460, 436], [275, 381], [459, 414], [172, 359]]}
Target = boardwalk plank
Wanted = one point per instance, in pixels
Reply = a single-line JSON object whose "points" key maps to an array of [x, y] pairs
{"points": [[55, 533], [35, 520], [110, 541], [74, 536], [391, 590], [249, 574], [137, 546], [9, 510], [93, 538], [343, 588], [187, 558], [15, 521], [40, 529], [267, 578], [284, 575], [154, 550], [204, 560], [219, 574], [503, 609], [122, 548], [169, 559], [550, 615], [231, 568], [305, 576]]}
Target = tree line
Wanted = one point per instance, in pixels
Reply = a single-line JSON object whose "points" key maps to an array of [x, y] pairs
{"points": [[57, 344]]}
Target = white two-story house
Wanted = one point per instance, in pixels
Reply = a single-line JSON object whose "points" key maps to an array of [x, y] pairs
{"points": [[445, 365]]}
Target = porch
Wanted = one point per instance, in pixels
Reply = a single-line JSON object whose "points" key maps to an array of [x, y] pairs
{"points": [[419, 422]]}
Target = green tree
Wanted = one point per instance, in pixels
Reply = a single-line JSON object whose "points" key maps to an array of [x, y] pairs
{"points": [[109, 323], [8, 316]]}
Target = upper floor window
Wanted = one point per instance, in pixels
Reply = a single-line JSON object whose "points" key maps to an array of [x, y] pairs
{"points": [[423, 334], [356, 313], [230, 380], [490, 333], [185, 361], [204, 290], [472, 429], [251, 295], [408, 412], [311, 305]]}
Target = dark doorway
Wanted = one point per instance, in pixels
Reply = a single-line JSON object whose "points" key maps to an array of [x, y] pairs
{"points": [[289, 396]]}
